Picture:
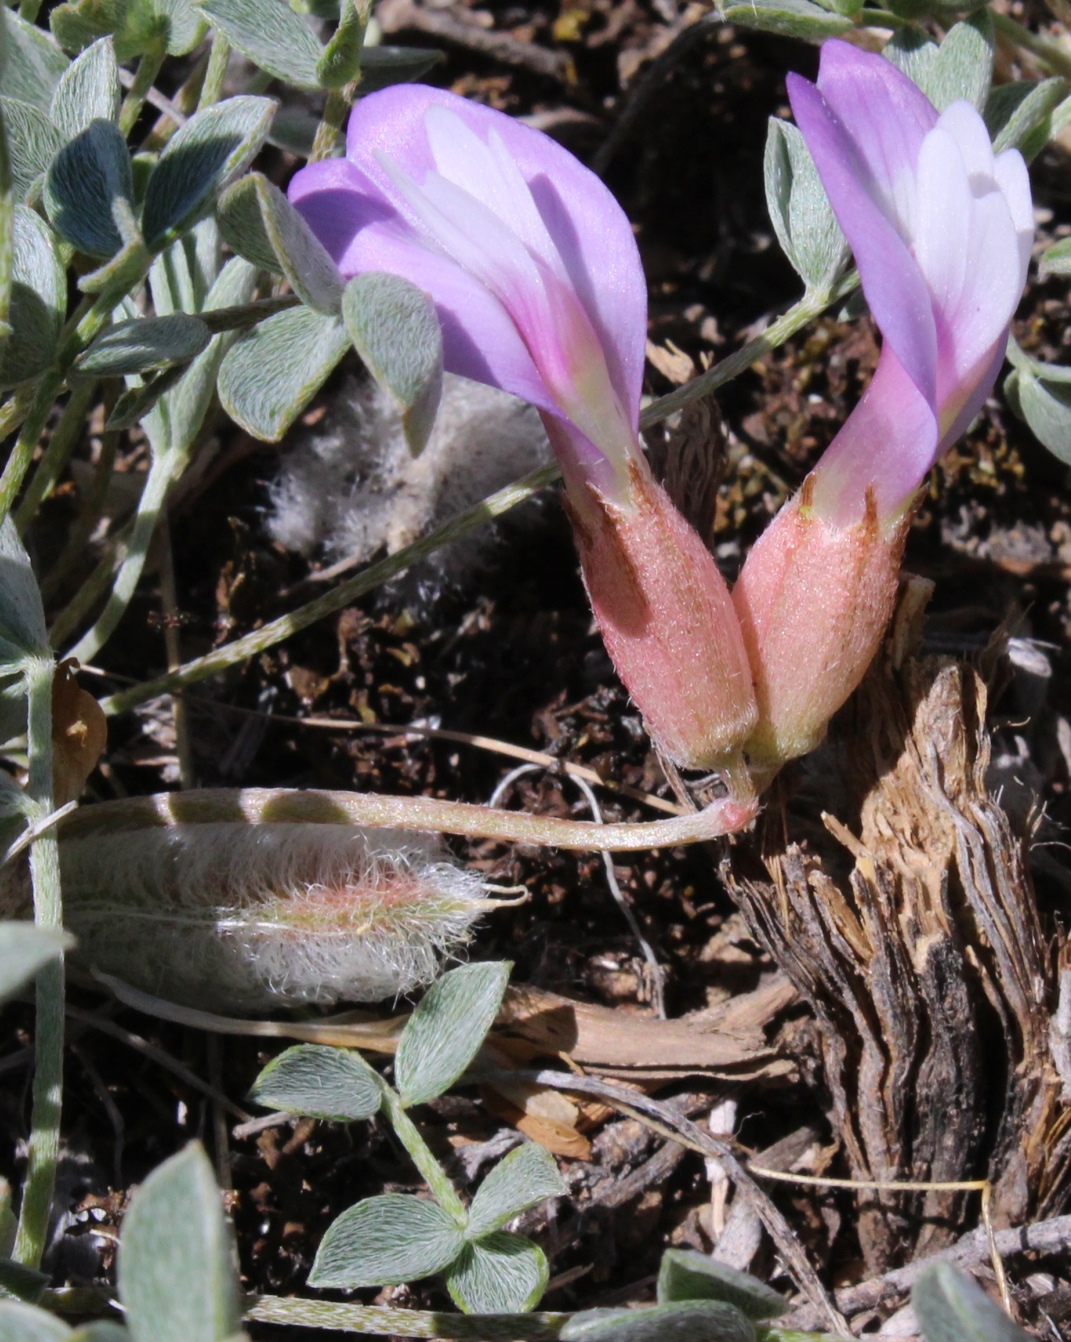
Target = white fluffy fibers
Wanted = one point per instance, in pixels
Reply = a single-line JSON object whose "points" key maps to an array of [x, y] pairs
{"points": [[350, 488], [248, 917]]}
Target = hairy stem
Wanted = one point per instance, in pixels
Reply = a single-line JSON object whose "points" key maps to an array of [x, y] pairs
{"points": [[32, 1233], [431, 1171]]}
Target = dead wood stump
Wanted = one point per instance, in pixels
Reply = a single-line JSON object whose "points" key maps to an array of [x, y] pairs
{"points": [[909, 924]]}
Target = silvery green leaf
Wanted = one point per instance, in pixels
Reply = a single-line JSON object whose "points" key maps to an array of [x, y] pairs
{"points": [[32, 143], [687, 1275], [913, 52], [88, 90], [799, 209], [17, 1281], [13, 711], [1046, 407], [313, 275], [952, 1307], [1056, 260], [294, 131], [23, 632], [445, 1032], [271, 373], [87, 187], [25, 1323], [339, 63], [395, 330], [688, 1321], [26, 948], [178, 1279], [385, 1241], [964, 64], [133, 25], [215, 145], [38, 300], [184, 25], [383, 66], [319, 1082], [136, 402], [188, 403], [271, 36], [144, 344], [523, 1178], [101, 1331], [34, 63], [790, 18], [1019, 115], [498, 1273], [181, 276], [242, 224]]}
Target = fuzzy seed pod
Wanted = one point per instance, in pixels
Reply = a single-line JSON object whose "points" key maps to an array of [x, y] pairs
{"points": [[235, 916]]}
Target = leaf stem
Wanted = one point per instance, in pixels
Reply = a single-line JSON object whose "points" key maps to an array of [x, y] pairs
{"points": [[32, 1233], [431, 1171], [810, 306], [144, 78], [330, 127], [64, 440], [250, 645], [212, 88], [1050, 52]]}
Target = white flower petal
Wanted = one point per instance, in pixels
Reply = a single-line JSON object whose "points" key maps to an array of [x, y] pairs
{"points": [[943, 217], [961, 121], [487, 172], [1013, 180]]}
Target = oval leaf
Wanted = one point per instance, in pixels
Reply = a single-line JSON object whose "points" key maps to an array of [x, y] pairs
{"points": [[212, 147], [24, 949], [800, 211], [188, 402], [964, 64], [1046, 407], [1019, 115], [693, 1321], [177, 1274], [1056, 260], [385, 1241], [952, 1307], [101, 1331], [33, 62], [148, 342], [294, 247], [383, 66], [22, 617], [526, 1176], [446, 1030], [24, 1323], [687, 1275], [32, 143], [271, 374], [38, 300], [791, 18], [499, 1274], [319, 1082], [87, 188], [272, 36], [396, 332], [242, 224], [87, 91]]}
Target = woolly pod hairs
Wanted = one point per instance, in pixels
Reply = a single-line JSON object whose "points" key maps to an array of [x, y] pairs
{"points": [[249, 914]]}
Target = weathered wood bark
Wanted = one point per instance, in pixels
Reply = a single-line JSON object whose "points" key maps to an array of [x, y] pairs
{"points": [[908, 922]]}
